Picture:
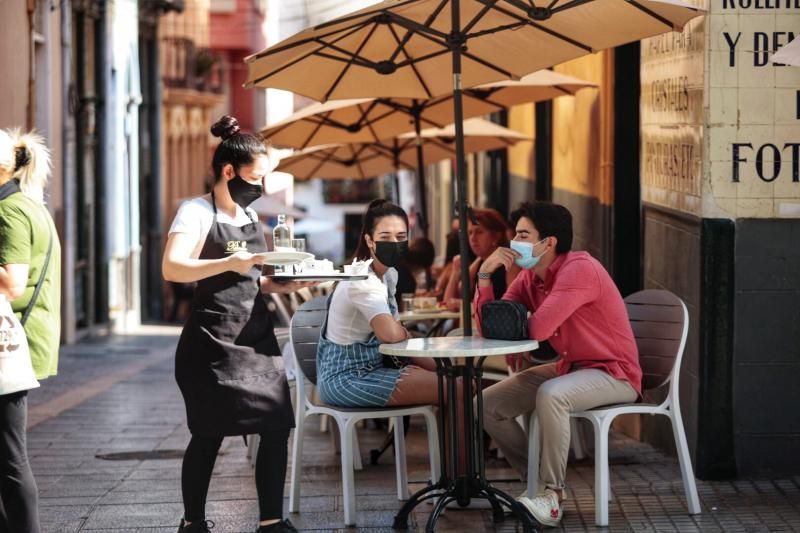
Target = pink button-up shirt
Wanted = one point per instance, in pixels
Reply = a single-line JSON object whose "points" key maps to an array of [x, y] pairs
{"points": [[579, 310]]}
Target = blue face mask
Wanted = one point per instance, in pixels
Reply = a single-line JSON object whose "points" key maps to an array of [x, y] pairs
{"points": [[525, 249]]}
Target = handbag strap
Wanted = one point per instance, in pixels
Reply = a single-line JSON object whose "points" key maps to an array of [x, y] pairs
{"points": [[39, 283]]}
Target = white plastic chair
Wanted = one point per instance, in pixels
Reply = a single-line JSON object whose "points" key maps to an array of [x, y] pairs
{"points": [[660, 324], [306, 324]]}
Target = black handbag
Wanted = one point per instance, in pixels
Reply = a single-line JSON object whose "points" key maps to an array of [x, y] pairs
{"points": [[504, 319]]}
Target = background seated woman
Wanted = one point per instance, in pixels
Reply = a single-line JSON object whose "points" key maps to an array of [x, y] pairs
{"points": [[488, 230]]}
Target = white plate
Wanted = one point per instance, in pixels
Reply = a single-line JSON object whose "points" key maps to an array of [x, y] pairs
{"points": [[284, 258]]}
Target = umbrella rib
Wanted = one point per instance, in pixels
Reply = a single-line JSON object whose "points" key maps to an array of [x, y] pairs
{"points": [[495, 29], [570, 5], [652, 13], [538, 26], [478, 17], [365, 112], [350, 63], [412, 26], [277, 49], [319, 125], [370, 14], [302, 57], [322, 161], [351, 57], [485, 63], [411, 61]]}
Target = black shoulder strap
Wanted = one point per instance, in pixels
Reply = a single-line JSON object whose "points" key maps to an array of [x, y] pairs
{"points": [[40, 282]]}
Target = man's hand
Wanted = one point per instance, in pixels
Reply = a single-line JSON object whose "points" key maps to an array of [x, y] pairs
{"points": [[243, 262], [500, 257]]}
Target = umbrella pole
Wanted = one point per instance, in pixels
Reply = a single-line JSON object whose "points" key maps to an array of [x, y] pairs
{"points": [[456, 42], [396, 155], [423, 200]]}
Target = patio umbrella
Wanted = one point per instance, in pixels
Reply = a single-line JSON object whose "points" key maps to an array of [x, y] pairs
{"points": [[789, 54], [368, 160], [417, 48], [373, 119]]}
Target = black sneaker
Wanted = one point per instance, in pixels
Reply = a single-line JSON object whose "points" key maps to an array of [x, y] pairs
{"points": [[196, 527], [284, 526]]}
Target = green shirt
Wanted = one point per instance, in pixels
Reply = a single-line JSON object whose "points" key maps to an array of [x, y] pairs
{"points": [[25, 229]]}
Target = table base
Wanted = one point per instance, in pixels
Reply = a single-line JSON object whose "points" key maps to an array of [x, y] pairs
{"points": [[455, 485]]}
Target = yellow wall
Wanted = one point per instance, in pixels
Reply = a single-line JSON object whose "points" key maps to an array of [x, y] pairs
{"points": [[521, 118], [583, 146]]}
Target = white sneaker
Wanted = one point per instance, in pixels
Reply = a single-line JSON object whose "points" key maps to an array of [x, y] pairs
{"points": [[545, 508]]}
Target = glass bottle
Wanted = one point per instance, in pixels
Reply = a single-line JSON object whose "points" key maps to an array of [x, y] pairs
{"points": [[282, 241]]}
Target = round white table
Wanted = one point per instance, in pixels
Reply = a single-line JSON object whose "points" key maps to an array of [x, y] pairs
{"points": [[455, 484]]}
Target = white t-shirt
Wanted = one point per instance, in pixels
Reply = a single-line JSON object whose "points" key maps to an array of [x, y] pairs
{"points": [[195, 217], [356, 303]]}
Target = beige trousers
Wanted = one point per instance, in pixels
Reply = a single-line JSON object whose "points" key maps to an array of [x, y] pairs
{"points": [[553, 397]]}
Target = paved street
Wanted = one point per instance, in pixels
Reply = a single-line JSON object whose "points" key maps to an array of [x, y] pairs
{"points": [[108, 433]]}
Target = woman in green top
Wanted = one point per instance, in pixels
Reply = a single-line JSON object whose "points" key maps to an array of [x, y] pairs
{"points": [[27, 234]]}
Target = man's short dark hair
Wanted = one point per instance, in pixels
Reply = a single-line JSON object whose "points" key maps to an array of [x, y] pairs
{"points": [[551, 220]]}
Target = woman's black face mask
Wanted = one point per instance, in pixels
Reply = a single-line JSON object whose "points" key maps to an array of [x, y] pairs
{"points": [[244, 193], [391, 253]]}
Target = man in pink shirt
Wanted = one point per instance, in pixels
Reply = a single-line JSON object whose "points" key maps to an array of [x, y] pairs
{"points": [[575, 305]]}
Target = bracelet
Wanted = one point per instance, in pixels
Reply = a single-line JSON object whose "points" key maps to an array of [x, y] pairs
{"points": [[484, 275]]}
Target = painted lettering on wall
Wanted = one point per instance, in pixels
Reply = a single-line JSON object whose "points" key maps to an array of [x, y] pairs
{"points": [[764, 45], [769, 160]]}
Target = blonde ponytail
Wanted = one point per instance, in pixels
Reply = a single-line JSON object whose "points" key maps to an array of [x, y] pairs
{"points": [[31, 163]]}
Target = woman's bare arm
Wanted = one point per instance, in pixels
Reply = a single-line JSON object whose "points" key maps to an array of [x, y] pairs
{"points": [[387, 329], [178, 265]]}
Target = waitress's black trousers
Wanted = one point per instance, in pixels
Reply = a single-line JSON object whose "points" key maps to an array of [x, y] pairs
{"points": [[198, 464]]}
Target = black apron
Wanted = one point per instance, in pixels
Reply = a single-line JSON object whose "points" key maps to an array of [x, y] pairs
{"points": [[226, 363]]}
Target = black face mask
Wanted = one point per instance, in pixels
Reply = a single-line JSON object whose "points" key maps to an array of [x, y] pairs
{"points": [[244, 193], [391, 253]]}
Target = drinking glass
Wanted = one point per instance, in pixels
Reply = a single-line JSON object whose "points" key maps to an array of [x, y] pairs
{"points": [[299, 245], [408, 301]]}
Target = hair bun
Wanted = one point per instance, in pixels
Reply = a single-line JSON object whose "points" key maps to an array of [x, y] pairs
{"points": [[225, 128]]}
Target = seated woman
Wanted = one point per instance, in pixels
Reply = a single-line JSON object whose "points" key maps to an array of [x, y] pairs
{"points": [[361, 316], [488, 231]]}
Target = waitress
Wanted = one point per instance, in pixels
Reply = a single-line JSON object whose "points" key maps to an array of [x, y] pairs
{"points": [[226, 363]]}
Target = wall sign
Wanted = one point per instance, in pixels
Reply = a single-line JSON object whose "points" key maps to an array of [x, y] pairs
{"points": [[720, 122]]}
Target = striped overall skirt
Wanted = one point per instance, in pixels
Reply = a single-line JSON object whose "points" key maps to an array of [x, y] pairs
{"points": [[353, 375]]}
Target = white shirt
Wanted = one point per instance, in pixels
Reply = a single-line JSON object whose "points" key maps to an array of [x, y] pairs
{"points": [[356, 303], [195, 217]]}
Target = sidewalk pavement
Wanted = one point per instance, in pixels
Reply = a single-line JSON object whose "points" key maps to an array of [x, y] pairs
{"points": [[107, 435]]}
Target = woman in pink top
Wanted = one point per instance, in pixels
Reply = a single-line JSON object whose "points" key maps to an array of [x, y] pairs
{"points": [[575, 305]]}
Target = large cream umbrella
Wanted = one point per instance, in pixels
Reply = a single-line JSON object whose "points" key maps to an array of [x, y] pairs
{"points": [[368, 160], [789, 54], [373, 119], [427, 48]]}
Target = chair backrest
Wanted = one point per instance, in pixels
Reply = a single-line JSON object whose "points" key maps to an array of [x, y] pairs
{"points": [[660, 324], [306, 325], [281, 309]]}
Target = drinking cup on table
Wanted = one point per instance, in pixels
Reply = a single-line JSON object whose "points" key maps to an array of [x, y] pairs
{"points": [[407, 302]]}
